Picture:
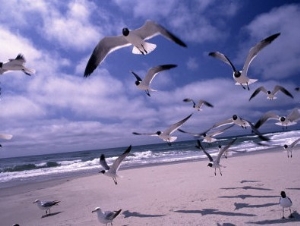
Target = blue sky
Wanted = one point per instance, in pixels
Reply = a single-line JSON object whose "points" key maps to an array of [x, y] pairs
{"points": [[58, 110]]}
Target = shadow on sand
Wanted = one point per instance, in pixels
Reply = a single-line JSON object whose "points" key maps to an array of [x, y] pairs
{"points": [[248, 196], [246, 205], [50, 214], [215, 212], [279, 221], [248, 188], [127, 213]]}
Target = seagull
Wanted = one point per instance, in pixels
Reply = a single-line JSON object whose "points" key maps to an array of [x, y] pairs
{"points": [[46, 205], [207, 137], [216, 163], [289, 148], [199, 105], [285, 202], [16, 64], [129, 37], [271, 94], [297, 89], [284, 121], [107, 216], [113, 169], [242, 123], [152, 72], [241, 77], [166, 134]]}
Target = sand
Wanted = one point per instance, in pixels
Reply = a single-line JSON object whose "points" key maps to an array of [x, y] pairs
{"points": [[185, 193]]}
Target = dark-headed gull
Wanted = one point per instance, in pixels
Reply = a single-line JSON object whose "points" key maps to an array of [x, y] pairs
{"points": [[271, 94], [289, 148], [199, 105], [215, 163], [106, 217], [46, 205], [16, 64], [284, 121], [166, 134], [241, 77], [144, 84], [207, 136], [111, 171], [285, 202], [129, 37]]}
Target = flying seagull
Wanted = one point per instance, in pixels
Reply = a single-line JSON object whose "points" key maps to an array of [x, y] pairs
{"points": [[235, 119], [144, 84], [289, 148], [106, 217], [241, 77], [166, 134], [199, 105], [207, 136], [285, 202], [16, 64], [215, 163], [46, 205], [5, 136], [271, 94], [135, 37], [111, 171], [284, 121]]}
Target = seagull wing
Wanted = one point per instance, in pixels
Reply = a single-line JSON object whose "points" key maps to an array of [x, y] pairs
{"points": [[49, 203], [152, 72], [136, 76], [175, 126], [110, 215], [261, 88], [205, 103], [115, 166], [282, 89], [148, 134], [295, 142], [264, 118], [221, 152], [222, 57], [225, 122], [190, 100], [103, 162], [255, 130], [294, 115], [215, 133], [103, 48], [199, 146], [151, 29], [255, 49]]}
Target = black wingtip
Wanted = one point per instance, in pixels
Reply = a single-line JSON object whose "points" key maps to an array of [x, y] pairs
{"points": [[90, 67], [272, 37]]}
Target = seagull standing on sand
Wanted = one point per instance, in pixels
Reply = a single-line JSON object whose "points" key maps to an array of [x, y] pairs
{"points": [[166, 134], [129, 37], [111, 171], [289, 148], [46, 205], [241, 77], [144, 84], [199, 105], [216, 163], [16, 64], [271, 94], [284, 121], [106, 217], [285, 202]]}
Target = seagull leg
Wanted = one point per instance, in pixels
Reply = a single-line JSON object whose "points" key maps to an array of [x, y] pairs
{"points": [[220, 171], [248, 86], [147, 92], [144, 49], [291, 215], [115, 180]]}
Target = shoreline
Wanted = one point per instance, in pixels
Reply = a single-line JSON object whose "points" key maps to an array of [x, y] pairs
{"points": [[185, 193]]}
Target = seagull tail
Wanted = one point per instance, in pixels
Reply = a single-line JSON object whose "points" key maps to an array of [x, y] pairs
{"points": [[148, 48]]}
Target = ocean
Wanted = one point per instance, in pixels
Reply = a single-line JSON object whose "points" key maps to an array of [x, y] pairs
{"points": [[20, 170]]}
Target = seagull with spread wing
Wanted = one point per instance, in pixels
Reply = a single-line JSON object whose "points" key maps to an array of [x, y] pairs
{"points": [[199, 105], [16, 64], [271, 94]]}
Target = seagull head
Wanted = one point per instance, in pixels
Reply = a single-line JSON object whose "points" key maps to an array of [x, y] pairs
{"points": [[282, 193], [282, 119], [234, 117], [125, 31], [269, 92], [285, 146], [137, 82], [96, 209], [158, 133], [237, 74], [210, 164], [37, 200], [102, 171]]}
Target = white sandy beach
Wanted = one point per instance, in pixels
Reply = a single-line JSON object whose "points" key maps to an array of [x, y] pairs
{"points": [[175, 194]]}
